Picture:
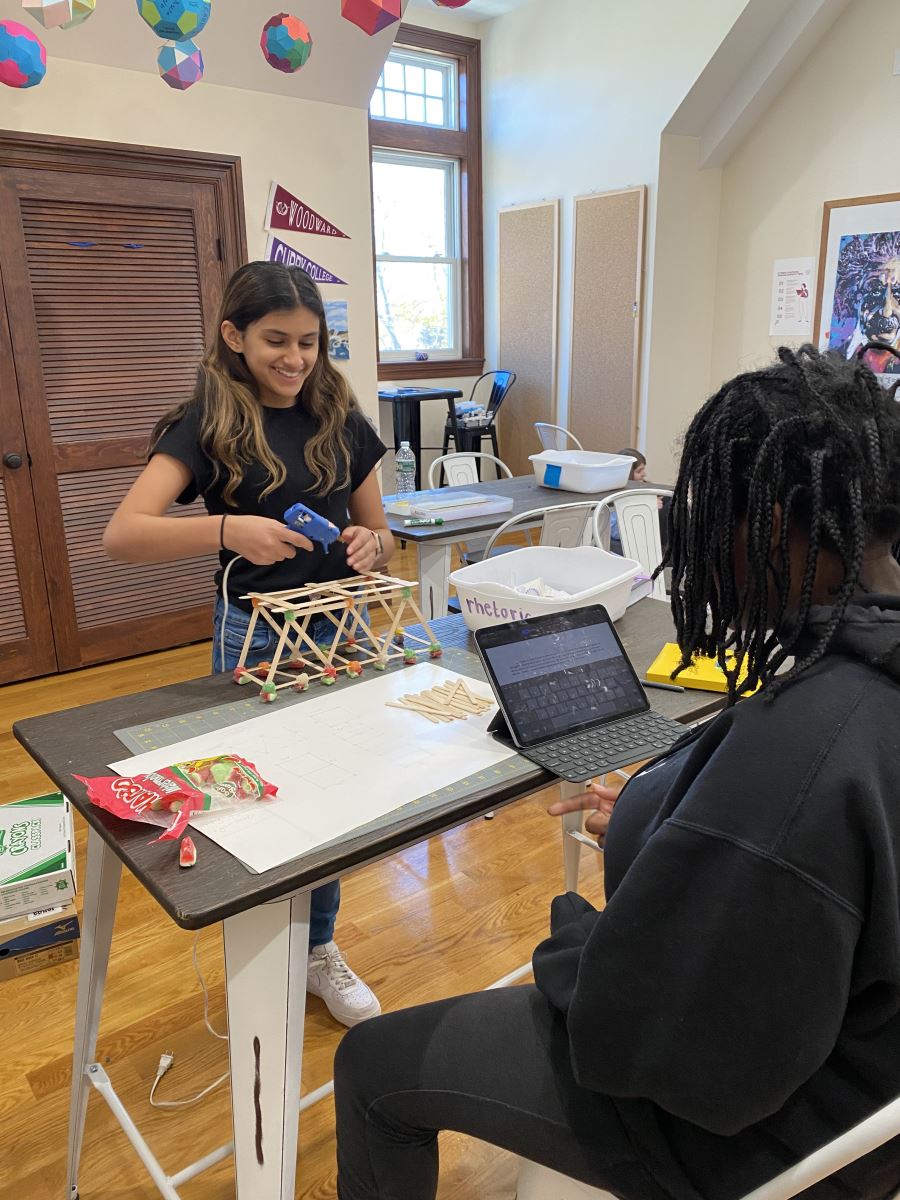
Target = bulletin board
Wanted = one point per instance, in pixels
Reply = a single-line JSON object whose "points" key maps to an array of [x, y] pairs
{"points": [[528, 290], [606, 318]]}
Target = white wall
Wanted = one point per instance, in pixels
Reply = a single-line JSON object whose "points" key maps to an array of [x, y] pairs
{"points": [[830, 135], [684, 292], [318, 151], [576, 104]]}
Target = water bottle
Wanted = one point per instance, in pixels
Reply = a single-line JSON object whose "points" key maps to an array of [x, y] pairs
{"points": [[405, 467]]}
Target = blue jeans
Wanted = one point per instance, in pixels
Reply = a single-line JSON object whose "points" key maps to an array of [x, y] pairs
{"points": [[324, 901]]}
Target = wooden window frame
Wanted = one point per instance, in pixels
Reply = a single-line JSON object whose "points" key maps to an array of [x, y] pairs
{"points": [[463, 144]]}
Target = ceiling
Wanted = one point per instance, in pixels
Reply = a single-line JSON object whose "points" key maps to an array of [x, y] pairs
{"points": [[343, 68], [477, 10]]}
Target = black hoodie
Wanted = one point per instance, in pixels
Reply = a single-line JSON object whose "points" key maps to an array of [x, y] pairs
{"points": [[739, 996]]}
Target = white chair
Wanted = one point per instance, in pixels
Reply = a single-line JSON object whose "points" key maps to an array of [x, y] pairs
{"points": [[556, 437], [562, 525], [462, 468], [539, 1183], [637, 514]]}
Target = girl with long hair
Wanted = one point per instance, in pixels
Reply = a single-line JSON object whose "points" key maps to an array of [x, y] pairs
{"points": [[271, 422]]}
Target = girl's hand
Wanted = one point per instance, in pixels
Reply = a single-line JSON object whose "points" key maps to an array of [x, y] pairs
{"points": [[362, 549], [598, 800], [261, 540]]}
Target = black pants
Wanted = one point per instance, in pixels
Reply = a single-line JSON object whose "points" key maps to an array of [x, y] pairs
{"points": [[494, 1065]]}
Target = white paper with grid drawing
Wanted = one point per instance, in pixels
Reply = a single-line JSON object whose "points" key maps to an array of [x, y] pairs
{"points": [[339, 761]]}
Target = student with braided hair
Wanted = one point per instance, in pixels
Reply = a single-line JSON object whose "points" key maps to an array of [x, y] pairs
{"points": [[737, 1002]]}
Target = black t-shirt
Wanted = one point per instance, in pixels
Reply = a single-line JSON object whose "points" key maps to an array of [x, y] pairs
{"points": [[287, 431]]}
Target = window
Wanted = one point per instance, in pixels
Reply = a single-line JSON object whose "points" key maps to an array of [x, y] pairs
{"points": [[416, 88], [417, 261], [425, 133]]}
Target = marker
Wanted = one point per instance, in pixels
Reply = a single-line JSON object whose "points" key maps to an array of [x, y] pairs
{"points": [[663, 687], [423, 521]]}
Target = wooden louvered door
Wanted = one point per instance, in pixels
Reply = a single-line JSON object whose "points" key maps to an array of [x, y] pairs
{"points": [[109, 284], [26, 639]]}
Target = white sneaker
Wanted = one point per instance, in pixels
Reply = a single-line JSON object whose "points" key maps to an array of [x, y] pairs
{"points": [[346, 997]]}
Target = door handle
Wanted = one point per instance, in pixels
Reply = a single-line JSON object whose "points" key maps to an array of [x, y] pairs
{"points": [[13, 461]]}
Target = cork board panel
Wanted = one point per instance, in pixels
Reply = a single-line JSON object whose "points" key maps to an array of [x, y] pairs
{"points": [[606, 318], [528, 289]]}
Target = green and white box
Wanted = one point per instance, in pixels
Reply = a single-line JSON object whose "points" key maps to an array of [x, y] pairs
{"points": [[37, 854]]}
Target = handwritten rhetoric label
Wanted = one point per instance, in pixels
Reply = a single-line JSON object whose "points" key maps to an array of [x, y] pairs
{"points": [[280, 252], [287, 212]]}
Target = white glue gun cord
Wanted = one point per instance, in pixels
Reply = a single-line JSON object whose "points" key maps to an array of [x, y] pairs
{"points": [[225, 575]]}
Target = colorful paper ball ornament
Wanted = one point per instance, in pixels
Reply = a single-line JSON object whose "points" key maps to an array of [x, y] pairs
{"points": [[81, 10], [23, 59], [181, 64], [49, 13], [371, 15], [286, 43], [175, 20]]}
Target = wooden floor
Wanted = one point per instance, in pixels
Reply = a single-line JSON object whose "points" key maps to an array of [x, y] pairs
{"points": [[448, 916]]}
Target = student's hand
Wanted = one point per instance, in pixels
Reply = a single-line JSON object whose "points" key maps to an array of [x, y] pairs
{"points": [[598, 800], [261, 540], [362, 549]]}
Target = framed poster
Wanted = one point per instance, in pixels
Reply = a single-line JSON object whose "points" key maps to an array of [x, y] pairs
{"points": [[858, 293]]}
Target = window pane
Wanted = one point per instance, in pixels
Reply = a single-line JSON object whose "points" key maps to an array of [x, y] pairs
{"points": [[410, 205], [414, 311], [395, 106], [434, 112], [393, 75], [434, 83], [376, 108], [415, 109], [415, 80]]}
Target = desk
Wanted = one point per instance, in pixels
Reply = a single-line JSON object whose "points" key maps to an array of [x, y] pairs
{"points": [[408, 416], [265, 916], [433, 542]]}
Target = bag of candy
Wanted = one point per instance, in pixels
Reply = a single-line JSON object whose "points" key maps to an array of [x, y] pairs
{"points": [[181, 790]]}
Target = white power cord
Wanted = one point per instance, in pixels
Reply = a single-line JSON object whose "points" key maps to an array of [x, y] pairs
{"points": [[167, 1060], [225, 575]]}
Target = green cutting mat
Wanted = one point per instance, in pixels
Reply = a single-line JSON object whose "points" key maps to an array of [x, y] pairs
{"points": [[159, 734]]}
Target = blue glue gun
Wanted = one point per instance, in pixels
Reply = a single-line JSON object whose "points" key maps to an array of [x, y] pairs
{"points": [[303, 520]]}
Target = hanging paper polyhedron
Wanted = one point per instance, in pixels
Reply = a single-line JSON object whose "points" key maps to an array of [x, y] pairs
{"points": [[175, 20], [371, 15], [81, 10], [181, 64], [286, 43], [23, 59], [49, 13]]}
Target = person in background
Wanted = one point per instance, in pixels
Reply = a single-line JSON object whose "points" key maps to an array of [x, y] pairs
{"points": [[638, 474]]}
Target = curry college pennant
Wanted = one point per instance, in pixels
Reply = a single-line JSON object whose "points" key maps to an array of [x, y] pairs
{"points": [[280, 252], [287, 212]]}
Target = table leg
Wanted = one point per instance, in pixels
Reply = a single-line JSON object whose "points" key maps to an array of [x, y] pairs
{"points": [[101, 889], [266, 950], [408, 428], [434, 573], [454, 426]]}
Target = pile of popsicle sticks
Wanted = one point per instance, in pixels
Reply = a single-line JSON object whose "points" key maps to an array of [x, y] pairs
{"points": [[447, 702]]}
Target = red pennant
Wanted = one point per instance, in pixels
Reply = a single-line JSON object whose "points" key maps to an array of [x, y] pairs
{"points": [[287, 212]]}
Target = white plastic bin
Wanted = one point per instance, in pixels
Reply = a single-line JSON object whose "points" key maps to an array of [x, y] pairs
{"points": [[487, 595], [581, 470]]}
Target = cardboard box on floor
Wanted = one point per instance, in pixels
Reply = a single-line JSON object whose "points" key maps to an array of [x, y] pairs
{"points": [[38, 940], [37, 855]]}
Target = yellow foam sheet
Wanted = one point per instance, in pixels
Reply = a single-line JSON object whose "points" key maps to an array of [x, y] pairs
{"points": [[704, 674]]}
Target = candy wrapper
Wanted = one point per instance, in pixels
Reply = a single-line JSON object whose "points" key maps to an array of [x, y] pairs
{"points": [[182, 790]]}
